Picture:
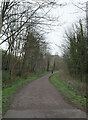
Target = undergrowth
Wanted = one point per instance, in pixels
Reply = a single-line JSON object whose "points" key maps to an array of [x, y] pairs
{"points": [[60, 82]]}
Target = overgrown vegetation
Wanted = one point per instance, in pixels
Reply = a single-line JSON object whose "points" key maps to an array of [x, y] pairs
{"points": [[76, 52], [76, 56], [69, 88], [23, 31]]}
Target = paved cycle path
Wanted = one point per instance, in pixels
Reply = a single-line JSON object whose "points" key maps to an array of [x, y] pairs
{"points": [[40, 99]]}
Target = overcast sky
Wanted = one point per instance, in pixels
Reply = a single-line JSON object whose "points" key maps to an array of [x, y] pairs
{"points": [[69, 15]]}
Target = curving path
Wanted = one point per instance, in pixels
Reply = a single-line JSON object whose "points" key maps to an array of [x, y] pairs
{"points": [[40, 99]]}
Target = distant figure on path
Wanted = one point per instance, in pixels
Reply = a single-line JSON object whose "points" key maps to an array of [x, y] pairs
{"points": [[52, 71]]}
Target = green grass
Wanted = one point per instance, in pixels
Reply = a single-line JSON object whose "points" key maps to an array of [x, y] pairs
{"points": [[69, 94], [8, 93]]}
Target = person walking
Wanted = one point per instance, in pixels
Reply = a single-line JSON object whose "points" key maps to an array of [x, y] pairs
{"points": [[52, 71]]}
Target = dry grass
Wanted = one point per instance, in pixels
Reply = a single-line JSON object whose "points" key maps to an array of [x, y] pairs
{"points": [[72, 83]]}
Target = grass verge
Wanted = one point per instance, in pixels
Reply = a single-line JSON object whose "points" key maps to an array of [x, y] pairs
{"points": [[8, 93], [69, 94]]}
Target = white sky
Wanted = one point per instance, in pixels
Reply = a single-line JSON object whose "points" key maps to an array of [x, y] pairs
{"points": [[69, 15]]}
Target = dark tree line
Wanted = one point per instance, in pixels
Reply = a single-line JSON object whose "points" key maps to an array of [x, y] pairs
{"points": [[76, 52], [76, 55], [22, 30]]}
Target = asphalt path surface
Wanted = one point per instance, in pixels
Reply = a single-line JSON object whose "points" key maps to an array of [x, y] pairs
{"points": [[40, 99]]}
